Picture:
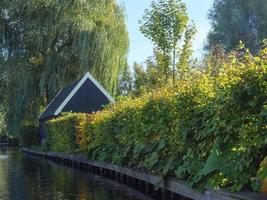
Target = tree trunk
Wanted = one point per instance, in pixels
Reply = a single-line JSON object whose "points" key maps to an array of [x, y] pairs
{"points": [[165, 67], [173, 65]]}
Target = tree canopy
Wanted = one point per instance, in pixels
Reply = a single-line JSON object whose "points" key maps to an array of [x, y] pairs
{"points": [[165, 24], [47, 44], [235, 20]]}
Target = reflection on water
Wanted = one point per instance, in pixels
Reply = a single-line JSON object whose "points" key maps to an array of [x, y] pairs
{"points": [[26, 178], [3, 157]]}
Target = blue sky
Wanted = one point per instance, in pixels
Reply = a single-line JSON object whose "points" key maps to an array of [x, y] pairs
{"points": [[141, 48]]}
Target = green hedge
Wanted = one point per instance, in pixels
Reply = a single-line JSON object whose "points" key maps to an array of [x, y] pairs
{"points": [[61, 133], [209, 130]]}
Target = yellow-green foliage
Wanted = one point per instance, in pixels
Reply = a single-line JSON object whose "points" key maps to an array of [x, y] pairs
{"points": [[62, 133], [209, 130], [262, 176]]}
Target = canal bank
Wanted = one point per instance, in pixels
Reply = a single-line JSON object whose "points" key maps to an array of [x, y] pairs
{"points": [[167, 189], [11, 142], [24, 177]]}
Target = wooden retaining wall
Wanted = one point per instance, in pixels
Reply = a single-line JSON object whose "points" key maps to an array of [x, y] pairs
{"points": [[170, 189]]}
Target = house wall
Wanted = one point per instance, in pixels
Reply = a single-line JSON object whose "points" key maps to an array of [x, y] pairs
{"points": [[87, 99]]}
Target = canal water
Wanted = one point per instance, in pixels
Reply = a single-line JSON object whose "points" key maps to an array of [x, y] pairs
{"points": [[27, 178]]}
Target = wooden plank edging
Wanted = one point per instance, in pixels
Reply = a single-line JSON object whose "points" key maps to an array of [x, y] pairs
{"points": [[171, 184]]}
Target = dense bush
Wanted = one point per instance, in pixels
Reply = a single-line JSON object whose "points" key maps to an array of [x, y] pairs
{"points": [[30, 136], [61, 134], [209, 130]]}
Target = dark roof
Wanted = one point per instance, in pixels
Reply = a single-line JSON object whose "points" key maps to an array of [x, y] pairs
{"points": [[84, 95]]}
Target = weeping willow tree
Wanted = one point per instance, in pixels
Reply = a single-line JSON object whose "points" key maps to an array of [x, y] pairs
{"points": [[46, 44]]}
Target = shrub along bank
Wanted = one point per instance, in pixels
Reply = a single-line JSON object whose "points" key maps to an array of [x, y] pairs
{"points": [[209, 129], [61, 135]]}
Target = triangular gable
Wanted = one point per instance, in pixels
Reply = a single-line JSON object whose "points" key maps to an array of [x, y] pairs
{"points": [[57, 105]]}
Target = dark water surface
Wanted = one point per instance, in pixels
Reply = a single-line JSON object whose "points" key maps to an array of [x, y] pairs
{"points": [[27, 178]]}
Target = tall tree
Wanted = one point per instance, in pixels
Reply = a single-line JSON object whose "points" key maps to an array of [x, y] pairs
{"points": [[186, 51], [165, 24], [139, 79], [3, 128], [235, 20], [126, 82], [150, 75], [47, 44]]}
